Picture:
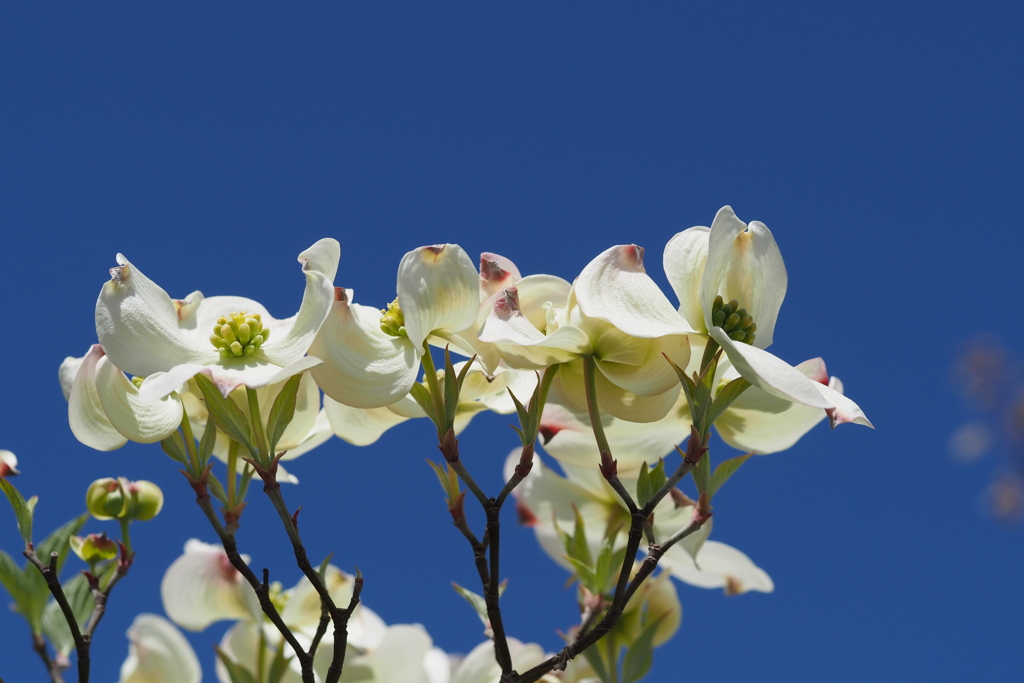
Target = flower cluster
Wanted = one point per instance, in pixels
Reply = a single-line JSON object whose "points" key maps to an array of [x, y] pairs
{"points": [[606, 374]]}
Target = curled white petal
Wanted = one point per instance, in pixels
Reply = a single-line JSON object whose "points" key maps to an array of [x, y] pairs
{"points": [[762, 423], [845, 410], [614, 287], [717, 566], [684, 259], [134, 419], [479, 666], [496, 273], [773, 375], [322, 256], [744, 263], [362, 366], [66, 374], [137, 325], [89, 422], [291, 338], [437, 290], [158, 653], [521, 344], [360, 426]]}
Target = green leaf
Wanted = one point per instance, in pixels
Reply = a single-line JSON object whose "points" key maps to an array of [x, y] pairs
{"points": [[689, 388], [22, 509], [597, 663], [217, 489], [702, 472], [207, 442], [54, 624], [174, 446], [585, 573], [322, 569], [225, 413], [729, 393], [279, 665], [243, 484], [605, 571], [448, 479], [12, 578], [578, 548], [282, 412], [238, 673], [640, 654], [451, 390], [58, 541], [422, 396], [644, 492], [477, 602], [725, 469], [657, 476]]}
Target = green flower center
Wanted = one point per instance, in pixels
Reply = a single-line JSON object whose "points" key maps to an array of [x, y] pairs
{"points": [[392, 321], [239, 334], [736, 322]]}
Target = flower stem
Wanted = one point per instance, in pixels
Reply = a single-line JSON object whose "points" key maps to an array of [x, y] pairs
{"points": [[232, 473], [257, 425]]}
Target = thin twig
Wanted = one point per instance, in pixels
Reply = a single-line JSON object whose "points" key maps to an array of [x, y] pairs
{"points": [[49, 572], [53, 668]]}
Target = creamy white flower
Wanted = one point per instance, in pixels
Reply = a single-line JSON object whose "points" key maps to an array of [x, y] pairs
{"points": [[549, 502], [371, 360], [616, 315], [479, 666], [201, 587], [158, 653], [146, 333], [742, 263]]}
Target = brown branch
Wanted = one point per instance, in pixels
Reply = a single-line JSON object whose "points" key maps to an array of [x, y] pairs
{"points": [[53, 667], [82, 644], [262, 588]]}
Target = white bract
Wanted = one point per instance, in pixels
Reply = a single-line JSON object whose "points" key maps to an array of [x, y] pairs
{"points": [[231, 339], [370, 358], [731, 262], [202, 587], [105, 410], [8, 463], [158, 653], [614, 314], [549, 503]]}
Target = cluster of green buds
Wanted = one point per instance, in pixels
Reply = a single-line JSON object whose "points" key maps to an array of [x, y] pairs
{"points": [[734, 320], [122, 499], [94, 547], [392, 320], [239, 334]]}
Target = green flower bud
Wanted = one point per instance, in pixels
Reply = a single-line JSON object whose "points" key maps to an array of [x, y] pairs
{"points": [[105, 498], [392, 320], [145, 500], [94, 547]]}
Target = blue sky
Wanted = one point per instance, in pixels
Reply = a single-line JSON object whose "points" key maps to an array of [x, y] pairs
{"points": [[879, 141]]}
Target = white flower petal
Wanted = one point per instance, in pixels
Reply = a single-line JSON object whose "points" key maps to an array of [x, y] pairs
{"points": [[362, 366], [684, 259], [522, 345], [302, 610], [572, 442], [137, 325], [252, 372], [290, 338], [762, 423], [744, 263], [138, 421], [89, 422], [717, 566], [322, 256], [359, 426], [160, 384], [614, 287], [201, 587], [845, 410], [437, 665], [537, 293], [496, 273], [318, 434], [480, 666], [767, 372], [568, 389], [158, 653], [653, 375], [437, 290], [400, 656], [8, 463], [66, 374]]}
